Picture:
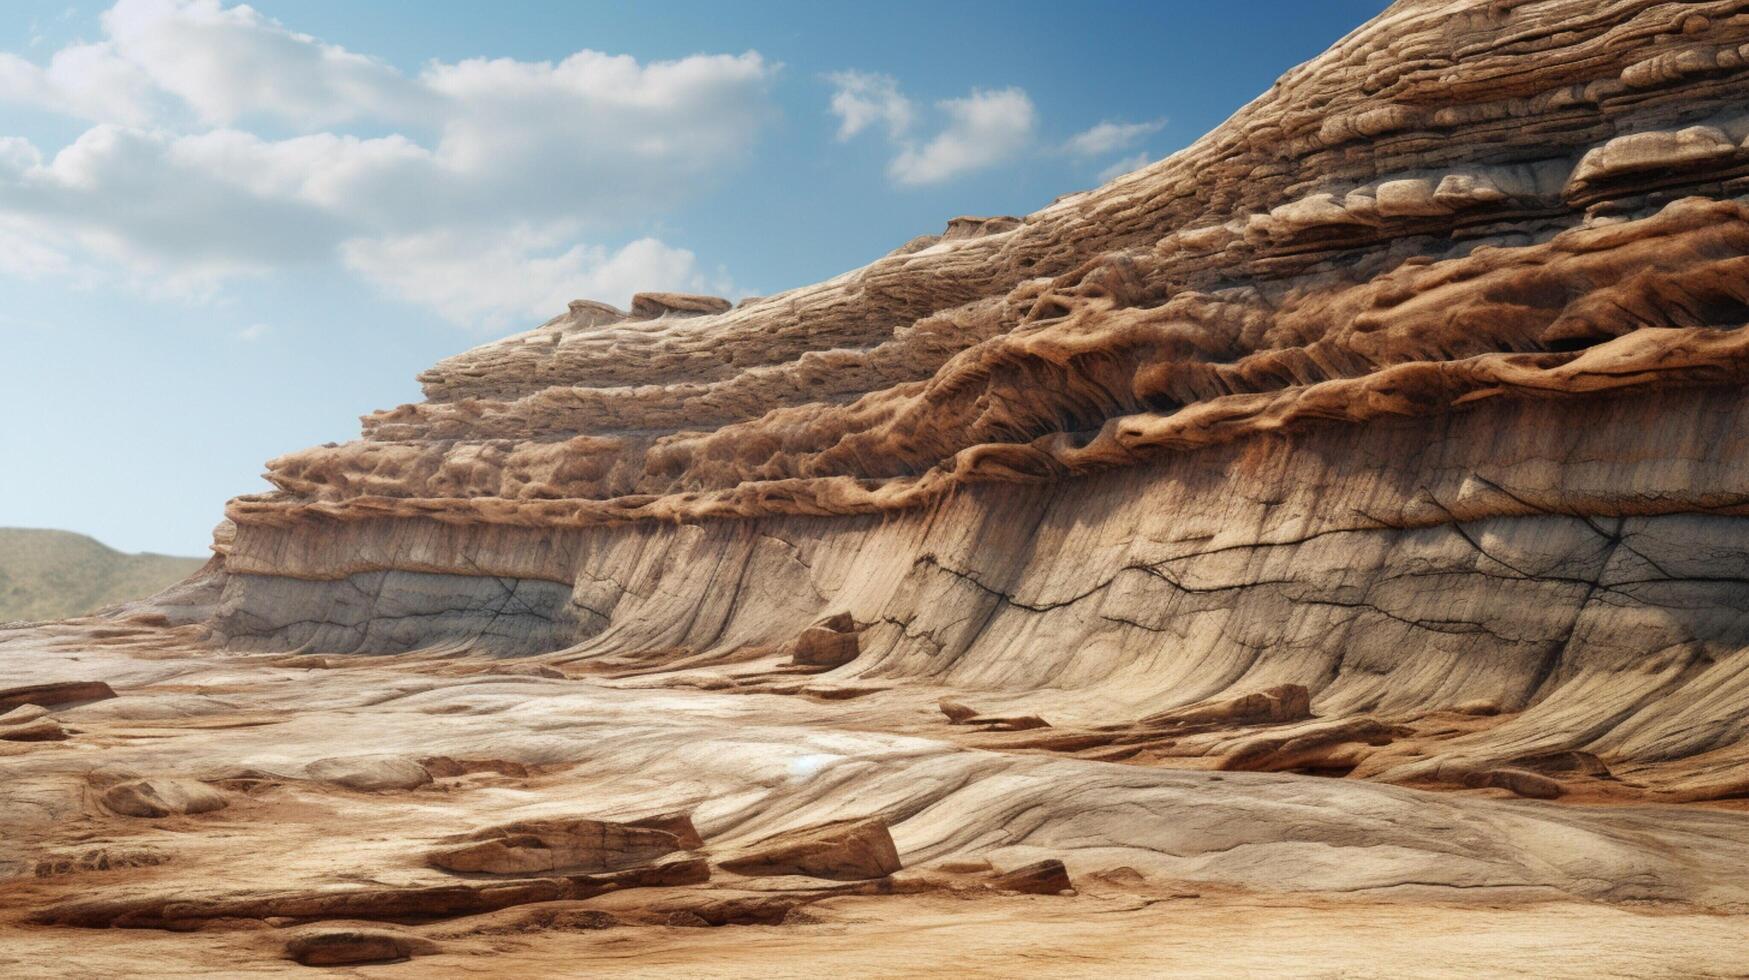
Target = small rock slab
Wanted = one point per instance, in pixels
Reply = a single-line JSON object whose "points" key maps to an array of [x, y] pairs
{"points": [[963, 714], [842, 850], [369, 772], [1047, 877], [818, 646], [337, 947], [648, 306], [58, 693], [563, 844], [957, 714], [162, 797]]}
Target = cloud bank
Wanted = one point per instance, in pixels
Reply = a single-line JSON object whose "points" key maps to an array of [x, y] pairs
{"points": [[984, 129], [223, 143]]}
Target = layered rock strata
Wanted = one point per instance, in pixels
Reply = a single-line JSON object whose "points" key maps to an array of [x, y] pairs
{"points": [[1416, 383]]}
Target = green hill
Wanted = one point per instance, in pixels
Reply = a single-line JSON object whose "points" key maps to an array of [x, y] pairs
{"points": [[55, 574]]}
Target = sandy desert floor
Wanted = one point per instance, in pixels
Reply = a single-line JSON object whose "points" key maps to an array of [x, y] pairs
{"points": [[1175, 871]]}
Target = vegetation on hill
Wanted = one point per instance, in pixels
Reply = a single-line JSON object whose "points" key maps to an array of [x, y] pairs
{"points": [[55, 574]]}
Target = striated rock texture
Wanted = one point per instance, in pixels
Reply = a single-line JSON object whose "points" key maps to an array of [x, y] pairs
{"points": [[1417, 384]]}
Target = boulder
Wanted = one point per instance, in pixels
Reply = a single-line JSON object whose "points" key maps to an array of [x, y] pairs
{"points": [[369, 772], [818, 646], [162, 797], [1047, 877], [842, 850]]}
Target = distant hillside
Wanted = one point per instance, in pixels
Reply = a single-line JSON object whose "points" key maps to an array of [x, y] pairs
{"points": [[55, 574]]}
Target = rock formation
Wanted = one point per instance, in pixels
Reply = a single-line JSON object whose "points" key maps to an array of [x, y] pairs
{"points": [[1324, 520], [1414, 383]]}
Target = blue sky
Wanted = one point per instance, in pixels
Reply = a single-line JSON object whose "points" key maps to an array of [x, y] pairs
{"points": [[226, 232]]}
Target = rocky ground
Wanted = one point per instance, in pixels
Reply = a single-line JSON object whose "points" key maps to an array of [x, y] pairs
{"points": [[226, 814]]}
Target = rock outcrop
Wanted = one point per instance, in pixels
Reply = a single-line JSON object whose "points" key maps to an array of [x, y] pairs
{"points": [[566, 844], [843, 849], [1417, 383]]}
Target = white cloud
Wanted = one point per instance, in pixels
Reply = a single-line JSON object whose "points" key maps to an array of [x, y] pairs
{"points": [[254, 332], [860, 99], [984, 129], [22, 257], [523, 273], [230, 62], [1134, 161], [87, 81], [174, 187], [1110, 137]]}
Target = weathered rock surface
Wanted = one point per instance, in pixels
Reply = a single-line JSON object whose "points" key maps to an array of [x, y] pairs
{"points": [[54, 695], [291, 851], [561, 844], [30, 723], [172, 911]]}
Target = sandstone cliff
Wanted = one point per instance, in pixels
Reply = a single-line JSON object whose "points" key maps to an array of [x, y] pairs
{"points": [[1417, 383]]}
